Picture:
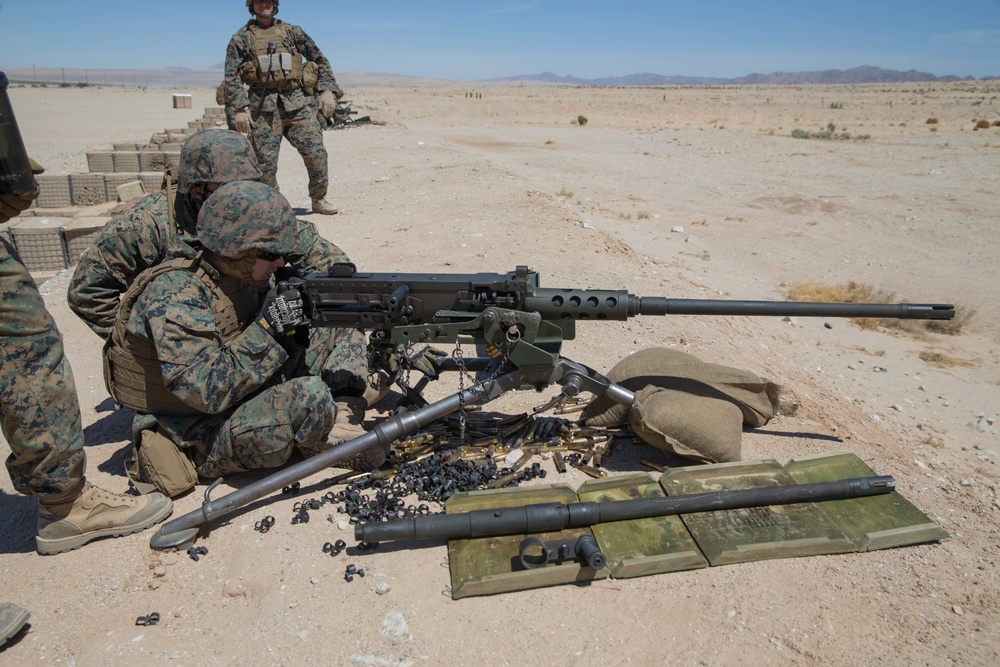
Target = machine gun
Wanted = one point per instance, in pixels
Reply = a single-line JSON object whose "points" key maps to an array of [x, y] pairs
{"points": [[521, 324], [342, 117], [514, 315]]}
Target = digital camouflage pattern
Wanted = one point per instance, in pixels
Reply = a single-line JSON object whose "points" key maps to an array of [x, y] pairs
{"points": [[244, 216], [41, 415], [258, 404], [282, 112], [139, 237], [131, 242], [303, 131], [216, 156]]}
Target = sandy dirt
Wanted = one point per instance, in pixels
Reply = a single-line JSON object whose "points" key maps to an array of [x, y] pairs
{"points": [[693, 192]]}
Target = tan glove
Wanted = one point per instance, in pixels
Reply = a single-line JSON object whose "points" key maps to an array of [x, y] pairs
{"points": [[327, 103], [12, 205], [242, 122]]}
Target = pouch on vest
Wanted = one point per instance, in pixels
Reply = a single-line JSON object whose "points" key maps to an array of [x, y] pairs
{"points": [[275, 65], [157, 464], [310, 77], [248, 73]]}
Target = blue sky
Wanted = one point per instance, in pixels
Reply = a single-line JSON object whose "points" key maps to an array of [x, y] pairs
{"points": [[492, 39]]}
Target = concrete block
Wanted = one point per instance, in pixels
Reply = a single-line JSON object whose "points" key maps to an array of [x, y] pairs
{"points": [[130, 191]]}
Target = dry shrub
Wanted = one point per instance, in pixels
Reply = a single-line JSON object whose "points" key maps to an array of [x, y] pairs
{"points": [[982, 124], [996, 123], [942, 359], [854, 292], [932, 121]]}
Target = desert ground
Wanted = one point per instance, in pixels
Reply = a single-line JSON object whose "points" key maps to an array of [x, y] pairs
{"points": [[687, 192]]}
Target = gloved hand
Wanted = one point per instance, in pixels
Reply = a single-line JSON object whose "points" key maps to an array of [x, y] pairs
{"points": [[12, 205], [423, 361], [283, 311], [327, 103], [242, 121]]}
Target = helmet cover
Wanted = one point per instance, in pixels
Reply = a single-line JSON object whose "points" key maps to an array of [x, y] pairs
{"points": [[216, 156], [245, 216], [250, 7]]}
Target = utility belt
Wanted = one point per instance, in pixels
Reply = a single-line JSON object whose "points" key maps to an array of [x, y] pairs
{"points": [[274, 87]]}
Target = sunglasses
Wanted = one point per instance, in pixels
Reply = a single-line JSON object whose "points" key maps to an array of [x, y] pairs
{"points": [[267, 256]]}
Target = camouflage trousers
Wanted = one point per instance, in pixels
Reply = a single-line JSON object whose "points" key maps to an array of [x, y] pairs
{"points": [[303, 131], [41, 414], [294, 415]]}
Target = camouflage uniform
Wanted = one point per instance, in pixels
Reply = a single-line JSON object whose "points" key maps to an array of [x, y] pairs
{"points": [[41, 415], [144, 235], [222, 101], [286, 111], [256, 400], [39, 408]]}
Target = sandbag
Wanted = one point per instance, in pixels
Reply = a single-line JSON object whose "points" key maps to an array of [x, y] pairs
{"points": [[687, 406], [706, 430]]}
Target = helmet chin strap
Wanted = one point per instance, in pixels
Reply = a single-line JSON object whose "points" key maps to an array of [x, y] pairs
{"points": [[274, 10]]}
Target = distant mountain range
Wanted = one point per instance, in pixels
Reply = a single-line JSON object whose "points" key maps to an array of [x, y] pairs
{"points": [[179, 77], [863, 74]]}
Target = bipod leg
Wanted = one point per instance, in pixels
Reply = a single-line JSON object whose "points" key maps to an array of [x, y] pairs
{"points": [[181, 530]]}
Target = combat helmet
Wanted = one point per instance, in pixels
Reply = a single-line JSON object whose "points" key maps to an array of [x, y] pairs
{"points": [[245, 216], [216, 156], [250, 7]]}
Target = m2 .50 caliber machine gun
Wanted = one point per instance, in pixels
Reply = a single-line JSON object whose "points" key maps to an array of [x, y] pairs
{"points": [[520, 323], [343, 116]]}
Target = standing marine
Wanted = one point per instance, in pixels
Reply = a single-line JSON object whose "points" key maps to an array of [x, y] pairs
{"points": [[284, 69], [39, 409]]}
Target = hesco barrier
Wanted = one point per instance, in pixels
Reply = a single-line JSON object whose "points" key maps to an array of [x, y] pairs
{"points": [[48, 237]]}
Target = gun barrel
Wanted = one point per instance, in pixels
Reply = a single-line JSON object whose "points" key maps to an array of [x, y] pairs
{"points": [[552, 517], [910, 311], [581, 304]]}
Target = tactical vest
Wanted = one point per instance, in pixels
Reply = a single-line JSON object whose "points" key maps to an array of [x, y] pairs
{"points": [[273, 70], [132, 373]]}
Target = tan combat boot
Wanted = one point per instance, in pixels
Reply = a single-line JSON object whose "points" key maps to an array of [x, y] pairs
{"points": [[71, 519], [12, 619], [347, 425], [323, 207]]}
